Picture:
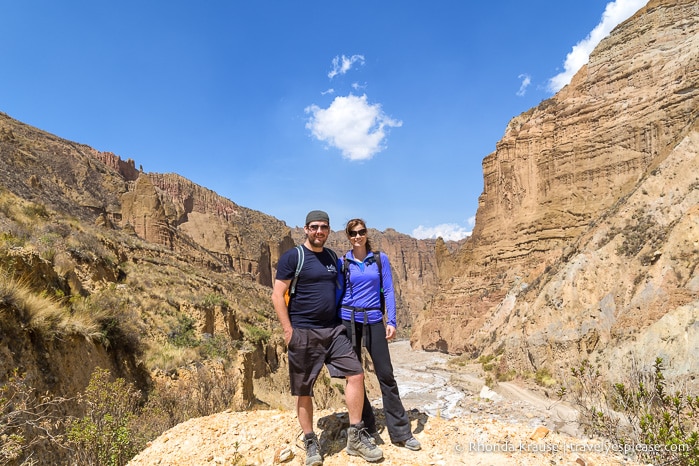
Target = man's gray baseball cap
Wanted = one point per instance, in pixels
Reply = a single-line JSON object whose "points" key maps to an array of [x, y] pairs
{"points": [[317, 216]]}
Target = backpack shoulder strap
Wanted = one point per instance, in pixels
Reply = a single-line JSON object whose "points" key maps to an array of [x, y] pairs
{"points": [[332, 254], [382, 297], [299, 265], [343, 278], [345, 267], [338, 283]]}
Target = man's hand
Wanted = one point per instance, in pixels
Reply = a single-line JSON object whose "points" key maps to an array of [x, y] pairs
{"points": [[390, 332]]}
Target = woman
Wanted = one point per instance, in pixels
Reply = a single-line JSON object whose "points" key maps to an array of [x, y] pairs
{"points": [[362, 312]]}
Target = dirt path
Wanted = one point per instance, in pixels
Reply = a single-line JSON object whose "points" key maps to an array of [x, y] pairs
{"points": [[562, 415]]}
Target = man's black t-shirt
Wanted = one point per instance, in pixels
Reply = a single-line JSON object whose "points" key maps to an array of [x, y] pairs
{"points": [[313, 305]]}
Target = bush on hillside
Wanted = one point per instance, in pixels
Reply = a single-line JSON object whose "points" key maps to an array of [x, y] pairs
{"points": [[27, 419], [643, 417], [104, 435]]}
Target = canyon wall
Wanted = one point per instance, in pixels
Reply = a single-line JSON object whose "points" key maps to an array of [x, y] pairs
{"points": [[585, 235]]}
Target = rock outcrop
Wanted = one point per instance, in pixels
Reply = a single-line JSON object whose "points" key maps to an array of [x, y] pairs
{"points": [[585, 243], [484, 428]]}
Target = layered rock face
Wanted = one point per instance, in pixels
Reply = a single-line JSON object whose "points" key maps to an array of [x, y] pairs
{"points": [[61, 174], [585, 237], [170, 210]]}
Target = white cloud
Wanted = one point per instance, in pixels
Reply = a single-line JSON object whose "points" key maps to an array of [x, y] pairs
{"points": [[342, 65], [526, 81], [447, 231], [352, 125], [615, 13], [329, 91]]}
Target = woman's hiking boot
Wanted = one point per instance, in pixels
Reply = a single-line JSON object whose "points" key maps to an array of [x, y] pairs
{"points": [[411, 444]]}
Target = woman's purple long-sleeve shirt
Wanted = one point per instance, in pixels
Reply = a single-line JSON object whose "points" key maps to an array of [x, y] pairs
{"points": [[361, 289]]}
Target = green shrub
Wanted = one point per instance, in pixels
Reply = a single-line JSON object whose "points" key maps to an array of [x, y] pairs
{"points": [[11, 240], [185, 333], [216, 347], [27, 420], [212, 300], [645, 232], [36, 211], [487, 362], [505, 376], [641, 415], [103, 436], [544, 378], [256, 335]]}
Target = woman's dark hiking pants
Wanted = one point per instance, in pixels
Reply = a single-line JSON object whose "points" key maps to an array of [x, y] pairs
{"points": [[374, 336]]}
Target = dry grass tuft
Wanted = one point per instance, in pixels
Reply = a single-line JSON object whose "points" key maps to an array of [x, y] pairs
{"points": [[168, 357], [41, 315]]}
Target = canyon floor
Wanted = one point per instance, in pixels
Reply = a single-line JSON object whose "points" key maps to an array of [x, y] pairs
{"points": [[452, 415]]}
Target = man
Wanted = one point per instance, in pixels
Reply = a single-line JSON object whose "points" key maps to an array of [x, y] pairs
{"points": [[315, 336]]}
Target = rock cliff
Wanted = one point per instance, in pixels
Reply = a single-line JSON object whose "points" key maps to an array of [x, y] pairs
{"points": [[585, 242]]}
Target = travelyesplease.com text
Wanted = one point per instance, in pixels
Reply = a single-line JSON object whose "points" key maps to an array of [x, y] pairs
{"points": [[552, 447]]}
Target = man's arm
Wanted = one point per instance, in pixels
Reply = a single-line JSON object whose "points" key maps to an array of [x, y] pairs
{"points": [[280, 307]]}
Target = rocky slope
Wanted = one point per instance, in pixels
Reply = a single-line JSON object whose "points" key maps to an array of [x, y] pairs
{"points": [[585, 243], [258, 437], [475, 431], [171, 211]]}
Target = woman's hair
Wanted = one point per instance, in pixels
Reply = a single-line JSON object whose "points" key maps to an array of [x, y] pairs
{"points": [[353, 224]]}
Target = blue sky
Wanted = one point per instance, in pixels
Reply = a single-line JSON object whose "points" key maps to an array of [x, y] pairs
{"points": [[380, 110]]}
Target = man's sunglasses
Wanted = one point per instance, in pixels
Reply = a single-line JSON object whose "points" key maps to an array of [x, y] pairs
{"points": [[319, 227], [354, 233]]}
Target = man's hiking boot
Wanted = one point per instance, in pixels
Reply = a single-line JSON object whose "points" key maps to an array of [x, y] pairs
{"points": [[313, 456], [361, 443], [376, 438], [411, 444]]}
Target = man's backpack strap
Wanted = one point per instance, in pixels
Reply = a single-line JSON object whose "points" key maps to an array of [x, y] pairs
{"points": [[299, 265], [332, 254]]}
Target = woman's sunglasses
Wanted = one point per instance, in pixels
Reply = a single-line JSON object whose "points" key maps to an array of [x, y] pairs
{"points": [[354, 233]]}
